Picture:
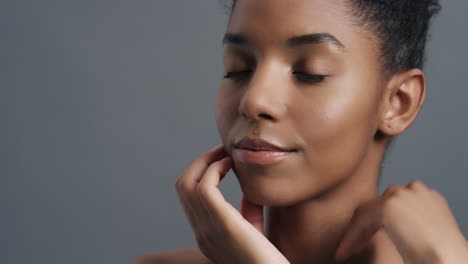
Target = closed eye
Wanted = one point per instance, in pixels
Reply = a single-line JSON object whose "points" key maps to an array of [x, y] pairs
{"points": [[310, 78], [237, 74], [301, 76]]}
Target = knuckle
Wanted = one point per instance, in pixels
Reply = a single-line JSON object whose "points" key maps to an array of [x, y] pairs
{"points": [[416, 184], [392, 190], [180, 185]]}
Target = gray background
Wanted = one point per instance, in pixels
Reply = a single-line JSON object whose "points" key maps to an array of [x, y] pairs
{"points": [[104, 104]]}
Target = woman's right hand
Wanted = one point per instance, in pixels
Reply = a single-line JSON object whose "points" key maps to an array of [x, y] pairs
{"points": [[223, 234]]}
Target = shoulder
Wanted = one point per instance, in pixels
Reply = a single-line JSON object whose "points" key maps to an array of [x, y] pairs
{"points": [[174, 256]]}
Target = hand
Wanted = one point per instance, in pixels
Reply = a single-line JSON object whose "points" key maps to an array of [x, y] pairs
{"points": [[222, 233], [418, 221]]}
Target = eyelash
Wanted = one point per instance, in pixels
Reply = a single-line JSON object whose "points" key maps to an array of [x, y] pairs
{"points": [[240, 75], [301, 76], [310, 78]]}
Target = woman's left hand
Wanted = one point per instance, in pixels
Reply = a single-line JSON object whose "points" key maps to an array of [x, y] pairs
{"points": [[416, 218], [224, 235]]}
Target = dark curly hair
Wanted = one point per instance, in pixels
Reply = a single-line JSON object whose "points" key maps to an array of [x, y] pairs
{"points": [[401, 26]]}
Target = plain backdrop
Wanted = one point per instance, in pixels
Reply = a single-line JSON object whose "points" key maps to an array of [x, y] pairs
{"points": [[104, 103]]}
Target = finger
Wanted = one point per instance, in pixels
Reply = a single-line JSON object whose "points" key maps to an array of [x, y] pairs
{"points": [[201, 164], [366, 221], [210, 195], [417, 185], [252, 213], [186, 185], [391, 189], [188, 180], [215, 173]]}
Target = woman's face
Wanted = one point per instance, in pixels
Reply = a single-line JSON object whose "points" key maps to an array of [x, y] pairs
{"points": [[299, 75]]}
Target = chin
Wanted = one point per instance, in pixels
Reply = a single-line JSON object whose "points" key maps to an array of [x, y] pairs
{"points": [[273, 186]]}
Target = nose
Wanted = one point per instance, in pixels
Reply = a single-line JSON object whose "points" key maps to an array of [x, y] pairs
{"points": [[264, 98]]}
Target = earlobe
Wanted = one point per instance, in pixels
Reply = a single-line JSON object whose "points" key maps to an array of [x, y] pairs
{"points": [[402, 101]]}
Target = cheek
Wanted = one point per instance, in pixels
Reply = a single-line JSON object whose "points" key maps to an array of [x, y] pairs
{"points": [[338, 131], [224, 112]]}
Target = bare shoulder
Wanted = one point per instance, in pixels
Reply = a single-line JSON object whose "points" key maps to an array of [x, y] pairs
{"points": [[174, 256]]}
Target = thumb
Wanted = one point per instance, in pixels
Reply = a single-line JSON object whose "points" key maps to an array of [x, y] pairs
{"points": [[252, 213]]}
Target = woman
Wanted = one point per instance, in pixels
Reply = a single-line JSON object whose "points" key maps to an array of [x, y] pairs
{"points": [[313, 92]]}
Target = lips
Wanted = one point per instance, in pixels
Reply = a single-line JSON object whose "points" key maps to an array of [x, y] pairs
{"points": [[260, 144], [260, 152]]}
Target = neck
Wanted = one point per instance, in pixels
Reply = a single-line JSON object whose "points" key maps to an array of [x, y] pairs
{"points": [[311, 230]]}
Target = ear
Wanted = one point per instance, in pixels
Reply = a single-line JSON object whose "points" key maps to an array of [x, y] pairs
{"points": [[402, 100]]}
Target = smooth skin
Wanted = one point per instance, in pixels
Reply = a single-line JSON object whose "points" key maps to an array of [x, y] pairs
{"points": [[329, 102]]}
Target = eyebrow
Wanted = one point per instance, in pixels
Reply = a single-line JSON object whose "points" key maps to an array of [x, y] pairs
{"points": [[315, 38], [236, 39], [296, 41]]}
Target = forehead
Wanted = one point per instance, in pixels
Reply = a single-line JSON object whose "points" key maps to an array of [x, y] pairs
{"points": [[271, 22]]}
